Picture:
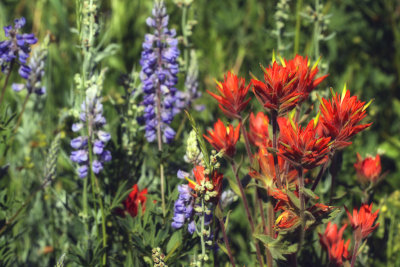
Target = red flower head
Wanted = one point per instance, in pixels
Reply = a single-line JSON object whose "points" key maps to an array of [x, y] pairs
{"points": [[363, 219], [368, 169], [258, 134], [300, 146], [232, 96], [202, 179], [306, 82], [134, 199], [265, 171], [332, 241], [224, 138], [279, 92], [341, 116]]}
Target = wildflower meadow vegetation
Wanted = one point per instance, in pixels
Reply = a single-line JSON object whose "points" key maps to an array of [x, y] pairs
{"points": [[199, 133]]}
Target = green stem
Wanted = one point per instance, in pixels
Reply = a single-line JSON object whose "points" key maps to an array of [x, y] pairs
{"points": [[20, 114], [302, 206], [185, 38], [3, 91], [203, 243], [316, 31], [298, 24]]}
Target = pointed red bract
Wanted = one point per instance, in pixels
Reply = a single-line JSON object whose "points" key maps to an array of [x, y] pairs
{"points": [[258, 134], [232, 94], [340, 118], [265, 171], [332, 241], [278, 92], [368, 169], [364, 219], [224, 138], [306, 81], [134, 199], [300, 146]]}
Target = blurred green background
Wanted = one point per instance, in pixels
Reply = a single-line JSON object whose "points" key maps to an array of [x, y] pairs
{"points": [[363, 50]]}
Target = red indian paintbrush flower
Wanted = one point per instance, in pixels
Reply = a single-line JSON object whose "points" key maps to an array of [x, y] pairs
{"points": [[201, 178], [223, 138], [332, 241], [233, 92], [265, 171], [278, 93], [363, 219], [341, 116], [306, 81], [368, 169], [300, 146], [134, 199], [258, 134]]}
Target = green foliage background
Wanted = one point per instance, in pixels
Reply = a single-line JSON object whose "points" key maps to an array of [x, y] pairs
{"points": [[234, 34]]}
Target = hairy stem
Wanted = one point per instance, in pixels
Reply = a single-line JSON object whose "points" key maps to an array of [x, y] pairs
{"points": [[226, 240], [302, 206], [203, 243], [247, 209], [274, 120], [159, 121], [355, 250]]}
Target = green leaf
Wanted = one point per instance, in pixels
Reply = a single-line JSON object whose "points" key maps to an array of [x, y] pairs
{"points": [[293, 198], [310, 193], [223, 248], [174, 242]]}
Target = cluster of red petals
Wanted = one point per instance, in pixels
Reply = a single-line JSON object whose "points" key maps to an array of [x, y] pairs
{"points": [[232, 94], [224, 138], [134, 199], [333, 242], [265, 171], [200, 177], [306, 81], [301, 146], [290, 216], [258, 134], [364, 219], [278, 92], [340, 118], [368, 169], [286, 85]]}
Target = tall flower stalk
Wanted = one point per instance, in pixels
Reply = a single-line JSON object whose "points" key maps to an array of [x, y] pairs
{"points": [[159, 77]]}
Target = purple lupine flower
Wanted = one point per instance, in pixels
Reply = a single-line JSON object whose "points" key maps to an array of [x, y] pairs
{"points": [[92, 112], [159, 76], [33, 73], [16, 46], [183, 208]]}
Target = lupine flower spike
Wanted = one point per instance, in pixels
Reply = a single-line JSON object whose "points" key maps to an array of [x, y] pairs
{"points": [[92, 110], [368, 169], [17, 45], [224, 138], [341, 116], [232, 95], [363, 219], [159, 76]]}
